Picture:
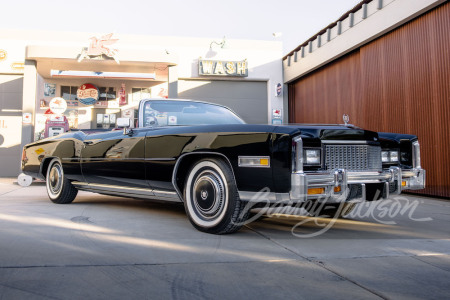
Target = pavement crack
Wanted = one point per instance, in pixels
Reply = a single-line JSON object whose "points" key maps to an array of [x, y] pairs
{"points": [[26, 291], [319, 264], [428, 263], [8, 192], [144, 264]]}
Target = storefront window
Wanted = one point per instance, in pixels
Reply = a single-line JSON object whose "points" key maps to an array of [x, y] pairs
{"points": [[140, 93], [106, 94], [69, 93]]}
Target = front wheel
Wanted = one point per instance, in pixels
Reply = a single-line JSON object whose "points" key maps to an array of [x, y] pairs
{"points": [[59, 188], [211, 198]]}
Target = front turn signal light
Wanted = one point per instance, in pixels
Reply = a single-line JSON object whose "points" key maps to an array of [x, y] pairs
{"points": [[316, 191]]}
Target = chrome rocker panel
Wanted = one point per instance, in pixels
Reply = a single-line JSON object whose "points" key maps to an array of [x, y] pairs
{"points": [[114, 190]]}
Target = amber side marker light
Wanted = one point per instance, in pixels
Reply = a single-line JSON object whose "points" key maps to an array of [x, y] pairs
{"points": [[316, 191], [264, 162], [403, 183], [337, 189]]}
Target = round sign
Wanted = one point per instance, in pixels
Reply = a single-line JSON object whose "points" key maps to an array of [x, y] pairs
{"points": [[2, 54], [88, 94], [58, 105]]}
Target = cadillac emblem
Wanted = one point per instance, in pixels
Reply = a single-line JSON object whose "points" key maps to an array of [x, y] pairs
{"points": [[346, 119]]}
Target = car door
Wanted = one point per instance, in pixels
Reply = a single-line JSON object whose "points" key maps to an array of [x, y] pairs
{"points": [[115, 159]]}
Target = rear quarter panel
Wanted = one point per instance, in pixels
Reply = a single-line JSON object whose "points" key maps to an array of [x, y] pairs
{"points": [[66, 147]]}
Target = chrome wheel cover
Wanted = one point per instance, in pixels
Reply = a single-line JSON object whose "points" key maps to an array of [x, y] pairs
{"points": [[55, 179], [206, 197], [208, 194]]}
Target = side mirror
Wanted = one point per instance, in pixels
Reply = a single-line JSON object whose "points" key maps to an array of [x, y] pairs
{"points": [[125, 124]]}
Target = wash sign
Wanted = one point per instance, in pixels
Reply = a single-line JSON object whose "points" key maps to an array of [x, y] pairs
{"points": [[222, 68]]}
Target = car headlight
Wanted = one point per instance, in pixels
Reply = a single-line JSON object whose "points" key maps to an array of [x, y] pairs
{"points": [[312, 156], [389, 156], [394, 156]]}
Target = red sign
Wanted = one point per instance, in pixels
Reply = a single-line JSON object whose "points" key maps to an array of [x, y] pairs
{"points": [[87, 94]]}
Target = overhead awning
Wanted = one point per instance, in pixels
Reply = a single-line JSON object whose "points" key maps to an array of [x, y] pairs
{"points": [[139, 64], [106, 75]]}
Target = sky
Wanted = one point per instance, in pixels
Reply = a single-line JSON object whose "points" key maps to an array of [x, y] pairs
{"points": [[296, 20]]}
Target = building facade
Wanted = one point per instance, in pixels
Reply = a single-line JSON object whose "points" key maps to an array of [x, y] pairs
{"points": [[88, 80], [385, 63]]}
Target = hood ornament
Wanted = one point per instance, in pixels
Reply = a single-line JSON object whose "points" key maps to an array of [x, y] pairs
{"points": [[346, 119]]}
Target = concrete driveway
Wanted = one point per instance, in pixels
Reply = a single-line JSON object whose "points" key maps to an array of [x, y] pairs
{"points": [[105, 247]]}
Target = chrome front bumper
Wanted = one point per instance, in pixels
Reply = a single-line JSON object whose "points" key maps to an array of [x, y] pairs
{"points": [[394, 179], [341, 179]]}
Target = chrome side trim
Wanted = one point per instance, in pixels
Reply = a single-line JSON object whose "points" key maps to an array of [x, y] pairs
{"points": [[127, 191], [111, 158], [115, 158], [160, 159]]}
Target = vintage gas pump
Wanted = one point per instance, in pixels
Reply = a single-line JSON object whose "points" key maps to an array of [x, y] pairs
{"points": [[56, 125]]}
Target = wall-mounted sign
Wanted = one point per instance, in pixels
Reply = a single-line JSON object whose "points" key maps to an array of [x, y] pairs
{"points": [[3, 54], [88, 94], [98, 47], [57, 105], [26, 118], [276, 114], [277, 122], [222, 68], [122, 95], [49, 89], [278, 90]]}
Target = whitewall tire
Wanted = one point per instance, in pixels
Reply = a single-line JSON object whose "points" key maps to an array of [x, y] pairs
{"points": [[59, 188], [211, 197]]}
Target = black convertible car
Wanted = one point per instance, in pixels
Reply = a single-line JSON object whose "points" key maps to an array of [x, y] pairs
{"points": [[205, 156]]}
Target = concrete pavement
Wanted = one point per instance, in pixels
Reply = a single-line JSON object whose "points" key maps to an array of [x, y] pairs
{"points": [[106, 247]]}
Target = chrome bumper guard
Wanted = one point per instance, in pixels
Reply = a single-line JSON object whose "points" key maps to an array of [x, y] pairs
{"points": [[413, 179]]}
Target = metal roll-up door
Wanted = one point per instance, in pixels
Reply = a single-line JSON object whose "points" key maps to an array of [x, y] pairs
{"points": [[247, 98], [11, 91]]}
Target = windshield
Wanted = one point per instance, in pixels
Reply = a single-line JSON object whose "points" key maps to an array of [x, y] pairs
{"points": [[175, 113]]}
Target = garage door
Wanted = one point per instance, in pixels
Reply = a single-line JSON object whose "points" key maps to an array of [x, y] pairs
{"points": [[11, 87], [248, 99]]}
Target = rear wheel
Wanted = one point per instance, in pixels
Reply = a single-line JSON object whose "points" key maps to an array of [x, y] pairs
{"points": [[211, 198], [59, 188]]}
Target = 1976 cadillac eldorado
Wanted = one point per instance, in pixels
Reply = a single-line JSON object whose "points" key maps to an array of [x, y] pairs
{"points": [[205, 156]]}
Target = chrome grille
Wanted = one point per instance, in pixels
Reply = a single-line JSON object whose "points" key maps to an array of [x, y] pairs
{"points": [[353, 157]]}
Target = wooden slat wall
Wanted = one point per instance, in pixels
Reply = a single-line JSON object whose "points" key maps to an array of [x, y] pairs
{"points": [[397, 83]]}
